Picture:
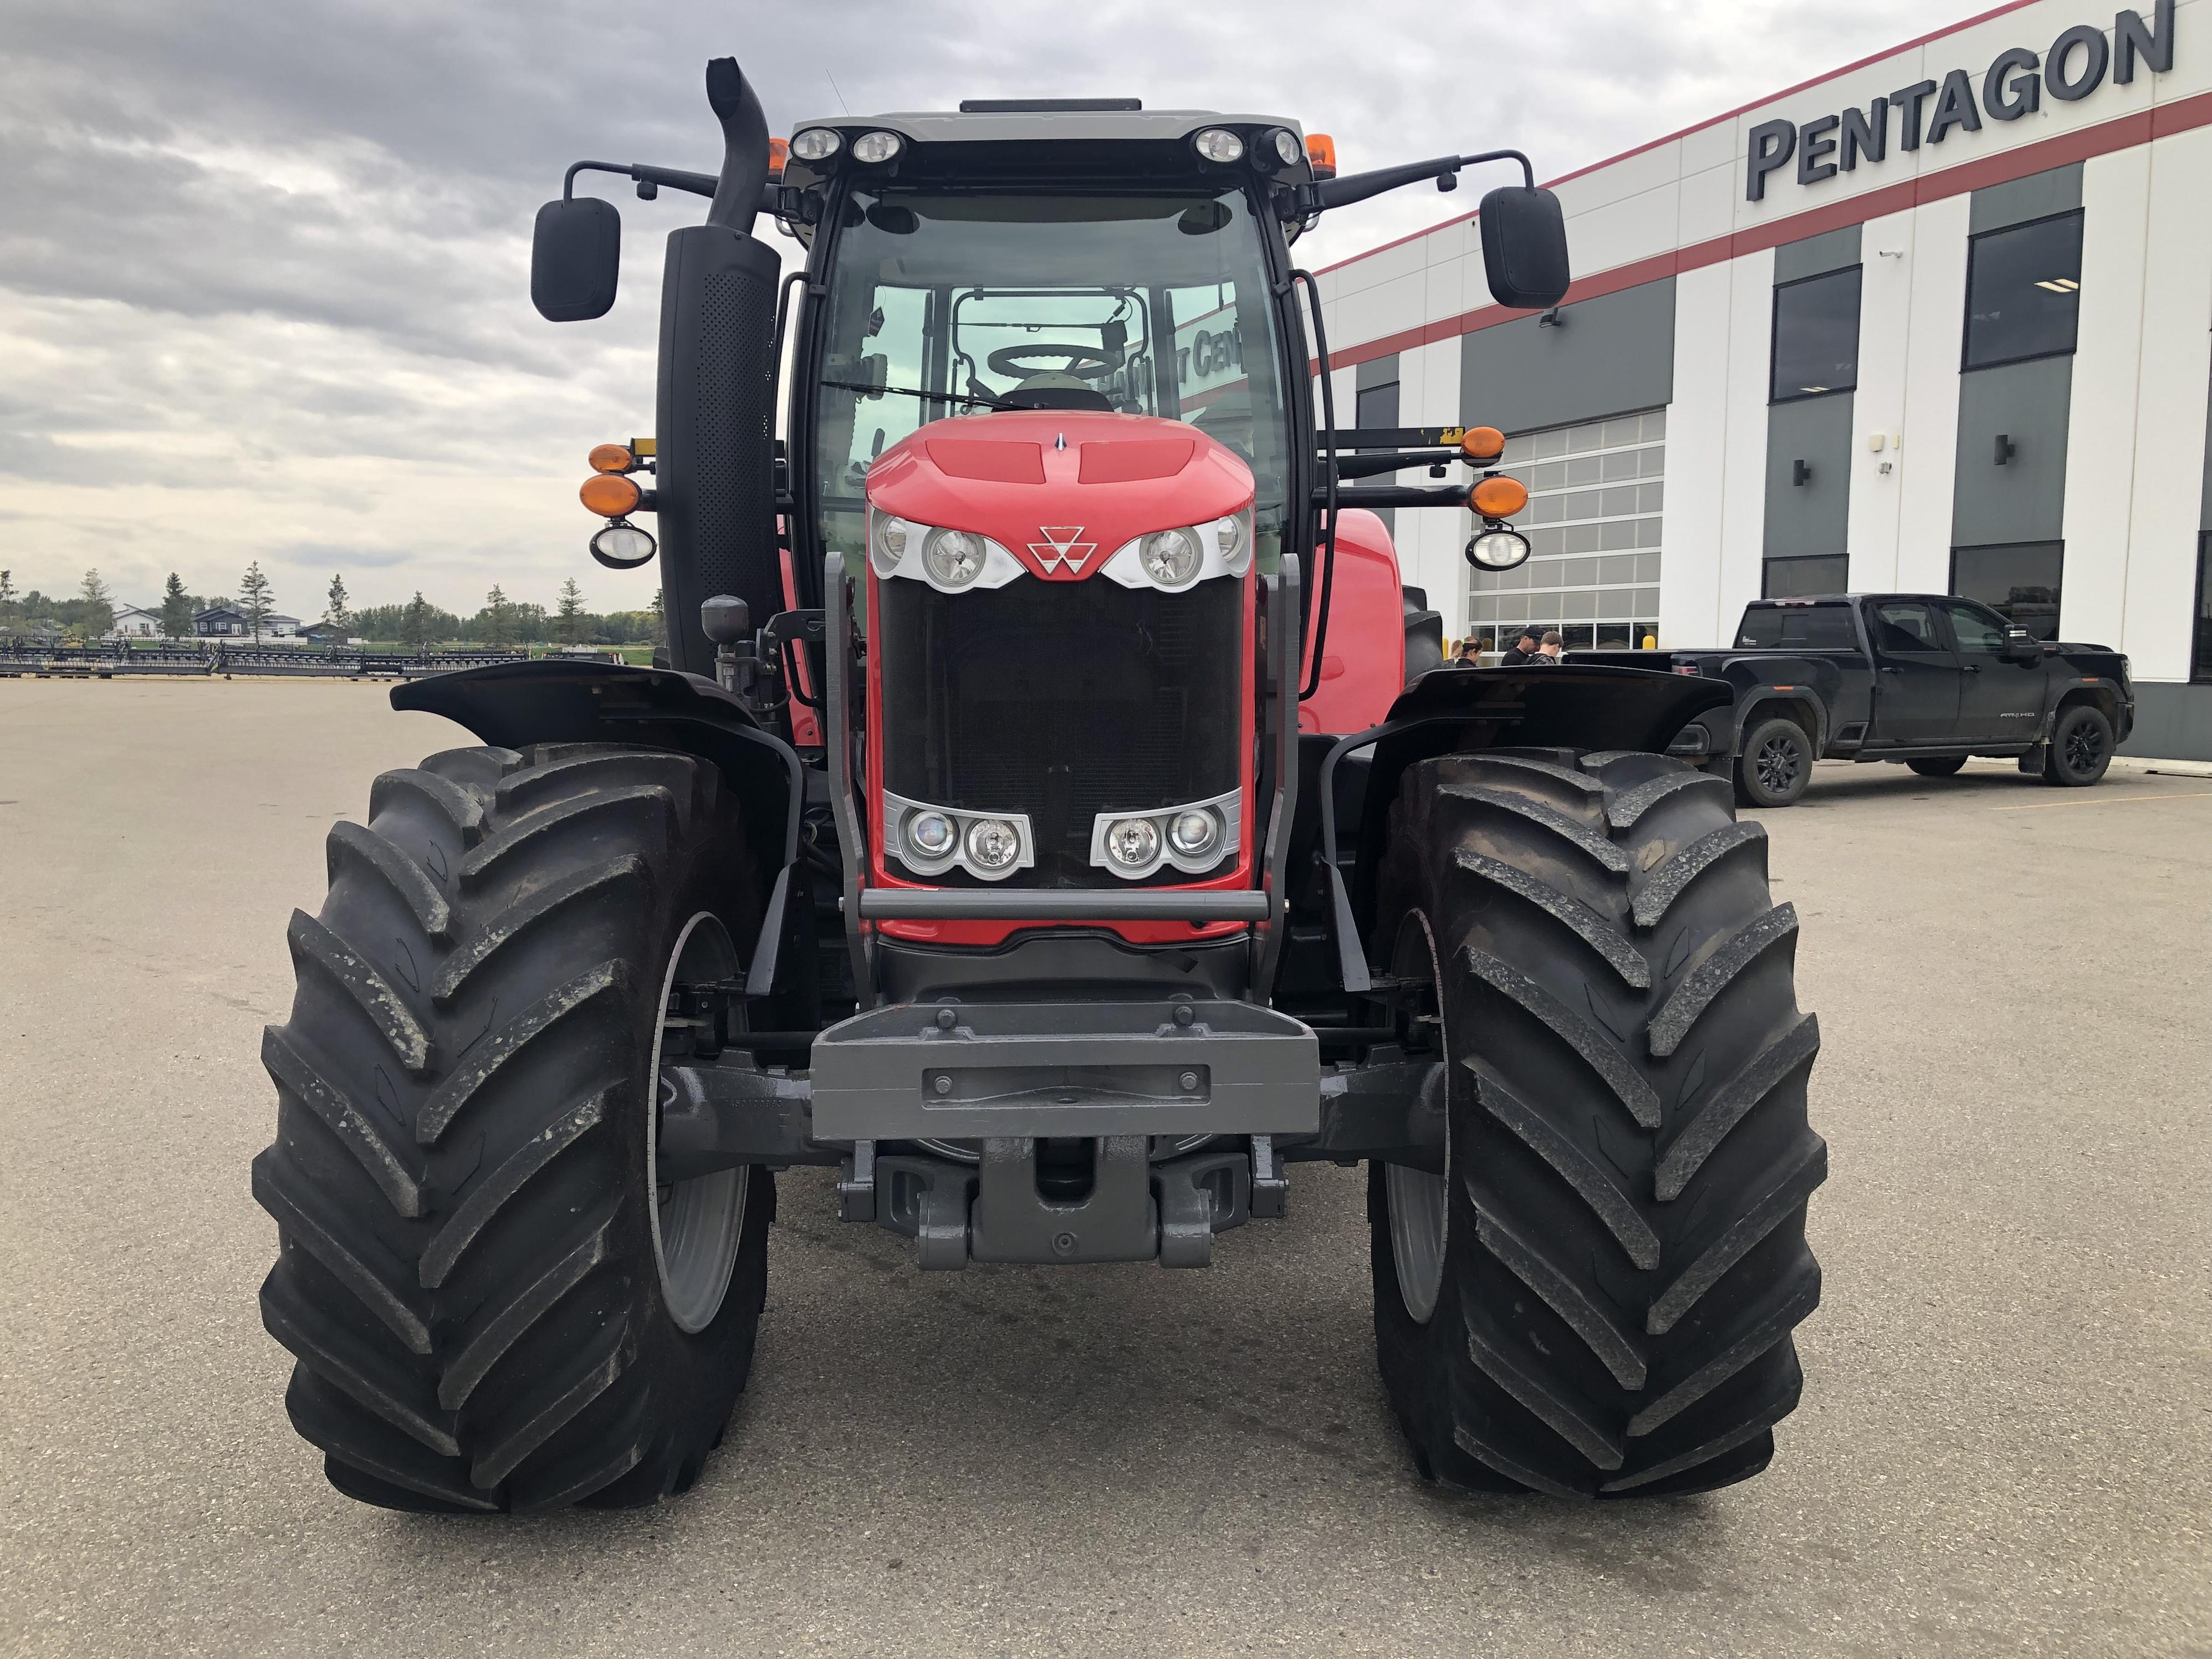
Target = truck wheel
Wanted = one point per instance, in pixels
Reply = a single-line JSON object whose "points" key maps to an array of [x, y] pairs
{"points": [[1937, 766], [493, 1303], [1776, 765], [1596, 1298], [2081, 748]]}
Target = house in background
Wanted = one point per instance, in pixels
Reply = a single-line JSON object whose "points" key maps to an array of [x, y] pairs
{"points": [[228, 622], [133, 622]]}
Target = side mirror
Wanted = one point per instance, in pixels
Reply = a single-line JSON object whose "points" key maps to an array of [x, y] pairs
{"points": [[2020, 646], [1524, 247], [575, 255]]}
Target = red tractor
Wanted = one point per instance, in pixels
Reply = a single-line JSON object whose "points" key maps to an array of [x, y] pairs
{"points": [[1015, 827]]}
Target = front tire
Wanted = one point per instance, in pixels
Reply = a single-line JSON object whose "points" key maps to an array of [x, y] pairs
{"points": [[1627, 1157], [1776, 766], [482, 1287], [2081, 748]]}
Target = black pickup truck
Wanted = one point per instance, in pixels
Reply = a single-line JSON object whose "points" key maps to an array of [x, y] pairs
{"points": [[1921, 678]]}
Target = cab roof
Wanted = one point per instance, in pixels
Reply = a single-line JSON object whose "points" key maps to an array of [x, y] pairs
{"points": [[1019, 120]]}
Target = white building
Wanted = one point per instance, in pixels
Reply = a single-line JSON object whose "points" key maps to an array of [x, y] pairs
{"points": [[133, 623], [1939, 322]]}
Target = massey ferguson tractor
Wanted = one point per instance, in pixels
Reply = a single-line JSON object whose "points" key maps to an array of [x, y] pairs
{"points": [[1053, 816]]}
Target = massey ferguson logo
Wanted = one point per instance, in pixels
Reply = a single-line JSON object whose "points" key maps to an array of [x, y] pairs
{"points": [[1062, 542]]}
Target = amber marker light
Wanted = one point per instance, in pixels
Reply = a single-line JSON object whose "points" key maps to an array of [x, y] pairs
{"points": [[609, 494], [611, 457], [1496, 498], [778, 152], [1320, 151], [1483, 443]]}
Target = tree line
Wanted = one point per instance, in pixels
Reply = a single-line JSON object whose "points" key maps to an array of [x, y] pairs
{"points": [[88, 614]]}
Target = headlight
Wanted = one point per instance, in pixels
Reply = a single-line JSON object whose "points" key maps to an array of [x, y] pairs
{"points": [[1287, 149], [1194, 834], [1132, 843], [874, 148], [1229, 538], [1497, 550], [623, 545], [930, 834], [888, 541], [953, 558], [815, 143], [993, 844], [1219, 144], [1171, 557]]}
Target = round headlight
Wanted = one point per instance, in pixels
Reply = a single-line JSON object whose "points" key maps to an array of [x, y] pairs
{"points": [[930, 834], [1170, 557], [1193, 834], [1219, 144], [953, 558], [1229, 537], [887, 545], [876, 147], [1132, 843], [815, 143], [993, 844], [623, 545], [1497, 550], [1286, 148]]}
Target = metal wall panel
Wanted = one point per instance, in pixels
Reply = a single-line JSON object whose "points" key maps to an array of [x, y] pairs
{"points": [[1378, 371], [2036, 196], [2024, 500], [1839, 250], [1615, 353], [1814, 517]]}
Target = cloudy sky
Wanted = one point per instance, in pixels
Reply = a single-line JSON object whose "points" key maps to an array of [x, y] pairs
{"points": [[264, 268]]}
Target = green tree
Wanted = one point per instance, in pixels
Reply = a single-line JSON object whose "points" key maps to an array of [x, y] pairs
{"points": [[258, 598], [415, 622], [660, 614], [176, 610], [568, 612], [99, 613], [334, 610], [498, 619]]}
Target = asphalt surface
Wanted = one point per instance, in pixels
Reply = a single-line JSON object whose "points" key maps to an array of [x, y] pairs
{"points": [[2005, 1447]]}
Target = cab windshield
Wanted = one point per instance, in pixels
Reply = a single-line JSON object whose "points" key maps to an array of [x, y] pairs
{"points": [[1146, 304]]}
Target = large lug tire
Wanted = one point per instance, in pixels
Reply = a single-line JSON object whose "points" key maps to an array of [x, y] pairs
{"points": [[2081, 748], [1776, 765], [469, 1272], [1620, 1231], [1937, 766]]}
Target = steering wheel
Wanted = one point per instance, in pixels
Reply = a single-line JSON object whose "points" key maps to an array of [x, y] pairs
{"points": [[1082, 362]]}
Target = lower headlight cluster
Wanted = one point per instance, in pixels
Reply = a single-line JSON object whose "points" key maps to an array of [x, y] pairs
{"points": [[931, 840], [1193, 839]]}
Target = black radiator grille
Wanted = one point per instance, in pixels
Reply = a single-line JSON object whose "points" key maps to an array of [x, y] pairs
{"points": [[1061, 700]]}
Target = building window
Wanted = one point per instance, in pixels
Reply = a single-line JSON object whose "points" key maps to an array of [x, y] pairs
{"points": [[1374, 409], [2200, 653], [1816, 337], [1798, 579], [2023, 291], [2018, 580], [1595, 495]]}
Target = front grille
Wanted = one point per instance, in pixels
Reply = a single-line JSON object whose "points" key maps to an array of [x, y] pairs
{"points": [[1061, 700]]}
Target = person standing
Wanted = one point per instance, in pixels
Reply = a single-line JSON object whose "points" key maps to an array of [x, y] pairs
{"points": [[1526, 651], [1554, 648]]}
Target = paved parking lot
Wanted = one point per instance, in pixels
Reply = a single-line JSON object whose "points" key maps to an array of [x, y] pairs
{"points": [[2006, 1445]]}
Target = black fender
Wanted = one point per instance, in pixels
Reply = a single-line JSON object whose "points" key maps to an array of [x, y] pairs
{"points": [[1456, 711], [1797, 696], [556, 700]]}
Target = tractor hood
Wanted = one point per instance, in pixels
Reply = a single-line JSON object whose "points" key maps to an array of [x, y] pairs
{"points": [[1062, 491]]}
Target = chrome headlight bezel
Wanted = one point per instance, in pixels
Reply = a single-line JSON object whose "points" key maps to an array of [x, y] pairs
{"points": [[895, 546], [1225, 549], [898, 811], [1226, 810]]}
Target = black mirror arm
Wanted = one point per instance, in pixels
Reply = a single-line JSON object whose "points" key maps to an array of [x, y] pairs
{"points": [[699, 184], [1358, 186]]}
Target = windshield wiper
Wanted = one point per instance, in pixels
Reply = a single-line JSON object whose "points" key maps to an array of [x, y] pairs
{"points": [[927, 396]]}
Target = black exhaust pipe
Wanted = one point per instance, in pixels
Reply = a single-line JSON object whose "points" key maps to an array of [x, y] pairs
{"points": [[715, 436]]}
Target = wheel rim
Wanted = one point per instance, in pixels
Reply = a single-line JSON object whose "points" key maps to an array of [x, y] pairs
{"points": [[2085, 743], [696, 1224], [1777, 765], [1421, 1216]]}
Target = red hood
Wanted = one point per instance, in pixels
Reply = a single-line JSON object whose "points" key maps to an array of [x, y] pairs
{"points": [[1070, 485]]}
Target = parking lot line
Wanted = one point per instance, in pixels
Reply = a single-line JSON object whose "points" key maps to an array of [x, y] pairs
{"points": [[2115, 800]]}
